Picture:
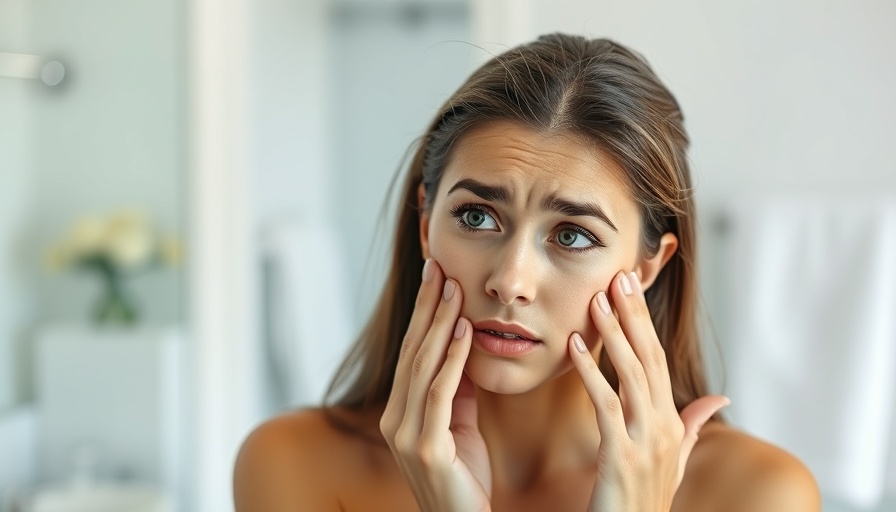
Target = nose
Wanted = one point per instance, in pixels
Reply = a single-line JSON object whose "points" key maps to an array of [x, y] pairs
{"points": [[513, 279]]}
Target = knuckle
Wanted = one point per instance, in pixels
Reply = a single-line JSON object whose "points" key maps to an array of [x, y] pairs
{"points": [[678, 431], [386, 429], [614, 328], [420, 362], [404, 441], [590, 365], [661, 446], [424, 453], [407, 344], [436, 394], [613, 404], [638, 376], [656, 358]]}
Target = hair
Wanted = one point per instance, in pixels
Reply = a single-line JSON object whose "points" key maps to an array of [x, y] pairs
{"points": [[596, 89]]}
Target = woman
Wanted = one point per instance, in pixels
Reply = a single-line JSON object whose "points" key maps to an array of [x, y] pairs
{"points": [[536, 344]]}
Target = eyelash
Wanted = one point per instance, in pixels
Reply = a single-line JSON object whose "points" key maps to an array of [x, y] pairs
{"points": [[458, 213]]}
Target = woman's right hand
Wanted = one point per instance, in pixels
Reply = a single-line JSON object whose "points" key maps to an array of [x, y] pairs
{"points": [[430, 421]]}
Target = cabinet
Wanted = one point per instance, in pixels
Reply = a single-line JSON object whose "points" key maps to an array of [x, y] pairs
{"points": [[112, 402]]}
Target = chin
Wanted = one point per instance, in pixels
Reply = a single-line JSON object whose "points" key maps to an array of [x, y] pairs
{"points": [[505, 376]]}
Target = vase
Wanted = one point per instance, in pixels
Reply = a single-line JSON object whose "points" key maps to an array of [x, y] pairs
{"points": [[115, 306]]}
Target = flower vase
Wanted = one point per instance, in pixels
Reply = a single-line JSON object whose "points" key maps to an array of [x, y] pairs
{"points": [[115, 306]]}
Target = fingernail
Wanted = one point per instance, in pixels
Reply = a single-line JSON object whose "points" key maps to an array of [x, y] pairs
{"points": [[727, 401], [578, 342], [626, 286], [603, 303], [427, 270], [448, 292], [459, 328], [636, 283]]}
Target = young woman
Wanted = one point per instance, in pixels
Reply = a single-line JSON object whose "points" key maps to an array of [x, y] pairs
{"points": [[536, 345]]}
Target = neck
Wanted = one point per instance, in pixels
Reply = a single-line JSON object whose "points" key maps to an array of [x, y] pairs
{"points": [[548, 431]]}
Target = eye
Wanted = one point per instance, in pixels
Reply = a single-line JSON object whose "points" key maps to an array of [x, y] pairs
{"points": [[577, 239], [474, 218]]}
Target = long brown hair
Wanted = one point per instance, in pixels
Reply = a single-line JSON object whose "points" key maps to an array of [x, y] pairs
{"points": [[594, 88]]}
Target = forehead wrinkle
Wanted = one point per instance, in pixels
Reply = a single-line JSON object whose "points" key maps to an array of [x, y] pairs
{"points": [[529, 158], [513, 152]]}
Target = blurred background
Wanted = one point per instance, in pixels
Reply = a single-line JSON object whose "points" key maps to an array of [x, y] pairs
{"points": [[191, 192]]}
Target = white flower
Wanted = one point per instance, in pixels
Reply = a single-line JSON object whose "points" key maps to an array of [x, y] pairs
{"points": [[125, 239], [85, 238], [128, 239]]}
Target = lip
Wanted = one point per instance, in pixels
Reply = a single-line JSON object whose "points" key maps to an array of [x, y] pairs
{"points": [[498, 326]]}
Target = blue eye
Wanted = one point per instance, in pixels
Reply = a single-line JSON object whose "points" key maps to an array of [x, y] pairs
{"points": [[474, 218], [576, 239]]}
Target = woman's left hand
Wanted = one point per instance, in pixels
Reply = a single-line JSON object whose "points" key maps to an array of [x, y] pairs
{"points": [[644, 441]]}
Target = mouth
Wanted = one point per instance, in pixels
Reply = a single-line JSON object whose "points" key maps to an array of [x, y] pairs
{"points": [[506, 331], [507, 335], [504, 344]]}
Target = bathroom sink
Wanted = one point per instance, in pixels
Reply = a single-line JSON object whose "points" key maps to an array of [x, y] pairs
{"points": [[100, 498]]}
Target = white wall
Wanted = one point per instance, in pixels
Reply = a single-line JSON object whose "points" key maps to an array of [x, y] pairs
{"points": [[288, 90], [389, 76], [776, 95], [15, 195], [111, 135]]}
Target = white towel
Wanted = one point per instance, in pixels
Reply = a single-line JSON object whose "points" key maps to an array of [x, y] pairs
{"points": [[309, 316], [811, 346]]}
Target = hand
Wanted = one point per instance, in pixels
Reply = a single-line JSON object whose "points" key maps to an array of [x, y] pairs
{"points": [[645, 443], [430, 421]]}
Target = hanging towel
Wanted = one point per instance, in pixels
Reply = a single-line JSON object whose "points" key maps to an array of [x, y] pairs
{"points": [[308, 314], [811, 345]]}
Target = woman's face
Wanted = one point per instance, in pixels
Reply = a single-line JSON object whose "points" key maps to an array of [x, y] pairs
{"points": [[531, 225]]}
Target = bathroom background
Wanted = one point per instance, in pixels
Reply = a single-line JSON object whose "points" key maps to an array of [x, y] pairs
{"points": [[252, 142]]}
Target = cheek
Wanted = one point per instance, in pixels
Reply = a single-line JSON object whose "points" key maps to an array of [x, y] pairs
{"points": [[450, 255], [573, 300]]}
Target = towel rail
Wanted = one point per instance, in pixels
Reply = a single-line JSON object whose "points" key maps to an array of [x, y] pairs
{"points": [[31, 67]]}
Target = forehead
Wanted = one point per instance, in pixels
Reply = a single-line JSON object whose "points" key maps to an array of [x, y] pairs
{"points": [[538, 163]]}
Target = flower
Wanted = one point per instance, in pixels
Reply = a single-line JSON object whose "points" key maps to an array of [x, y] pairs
{"points": [[128, 239], [113, 247], [124, 239]]}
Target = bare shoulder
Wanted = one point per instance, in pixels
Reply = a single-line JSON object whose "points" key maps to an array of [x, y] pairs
{"points": [[290, 463], [732, 471]]}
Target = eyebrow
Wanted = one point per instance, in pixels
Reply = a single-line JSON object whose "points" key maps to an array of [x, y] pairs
{"points": [[500, 194]]}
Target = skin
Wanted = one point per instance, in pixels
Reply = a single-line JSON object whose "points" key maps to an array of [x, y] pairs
{"points": [[523, 274], [451, 399]]}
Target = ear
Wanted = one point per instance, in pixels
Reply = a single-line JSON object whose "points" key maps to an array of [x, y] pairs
{"points": [[649, 269], [424, 221]]}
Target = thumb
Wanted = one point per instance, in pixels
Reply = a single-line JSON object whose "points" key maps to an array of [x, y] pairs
{"points": [[694, 416]]}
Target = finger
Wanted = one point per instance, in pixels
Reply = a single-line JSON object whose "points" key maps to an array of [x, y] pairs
{"points": [[431, 355], [464, 411], [634, 317], [633, 387], [424, 308], [440, 400], [694, 416], [607, 405]]}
